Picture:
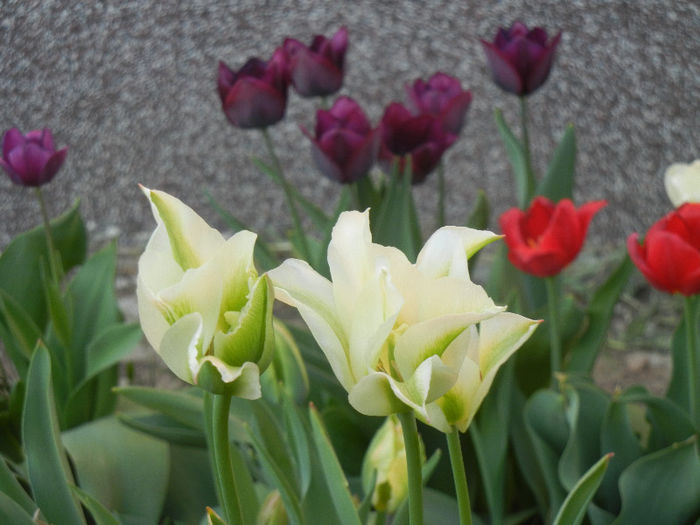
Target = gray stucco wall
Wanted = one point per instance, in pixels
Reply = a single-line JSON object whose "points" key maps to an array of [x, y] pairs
{"points": [[130, 86]]}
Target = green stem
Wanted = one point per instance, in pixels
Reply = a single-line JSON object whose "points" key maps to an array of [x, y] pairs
{"points": [[460, 477], [415, 476], [691, 337], [380, 518], [441, 195], [221, 459], [53, 263], [209, 434], [526, 150], [306, 253], [554, 341]]}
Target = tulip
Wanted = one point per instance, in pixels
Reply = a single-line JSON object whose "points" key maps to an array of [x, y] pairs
{"points": [[386, 455], [317, 70], [344, 146], [395, 333], [682, 183], [256, 95], [520, 59], [421, 137], [547, 237], [31, 159], [202, 305], [669, 256], [441, 96]]}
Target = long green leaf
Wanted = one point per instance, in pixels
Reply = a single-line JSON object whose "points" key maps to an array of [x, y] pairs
{"points": [[99, 512], [395, 222], [300, 444], [516, 156], [573, 510], [678, 386], [165, 428], [180, 405], [49, 473], [599, 314], [11, 487], [335, 477], [12, 513], [19, 332], [558, 183]]}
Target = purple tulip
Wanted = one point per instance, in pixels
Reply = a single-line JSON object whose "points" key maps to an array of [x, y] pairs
{"points": [[441, 96], [520, 59], [345, 145], [317, 70], [255, 96], [31, 159], [422, 137]]}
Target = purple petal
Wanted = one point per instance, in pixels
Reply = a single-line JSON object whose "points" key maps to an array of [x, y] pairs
{"points": [[35, 160], [252, 103], [14, 176], [339, 45], [454, 115], [503, 73], [540, 70], [325, 164], [538, 35], [225, 80], [53, 165], [46, 140], [12, 139]]}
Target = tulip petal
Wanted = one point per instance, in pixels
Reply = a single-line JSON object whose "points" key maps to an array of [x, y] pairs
{"points": [[504, 74], [12, 139], [373, 396], [218, 377], [298, 285], [540, 69], [192, 240], [235, 261], [181, 346]]}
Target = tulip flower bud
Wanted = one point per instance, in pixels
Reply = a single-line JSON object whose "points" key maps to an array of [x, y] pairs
{"points": [[344, 145], [682, 183], [386, 455], [202, 305], [317, 70], [255, 96], [31, 159], [520, 59], [441, 96]]}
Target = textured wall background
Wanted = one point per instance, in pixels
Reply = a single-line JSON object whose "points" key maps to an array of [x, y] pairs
{"points": [[130, 86]]}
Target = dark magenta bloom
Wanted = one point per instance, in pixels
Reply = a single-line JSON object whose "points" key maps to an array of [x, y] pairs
{"points": [[520, 59], [421, 137], [317, 70], [31, 159], [441, 96], [255, 96], [669, 255], [344, 145]]}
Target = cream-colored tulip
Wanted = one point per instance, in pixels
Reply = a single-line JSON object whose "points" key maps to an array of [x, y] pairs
{"points": [[202, 306], [682, 183], [395, 334]]}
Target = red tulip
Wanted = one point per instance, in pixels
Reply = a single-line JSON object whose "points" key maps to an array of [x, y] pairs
{"points": [[422, 137], [317, 70], [669, 256], [441, 96], [345, 145], [256, 95], [520, 59], [31, 159], [547, 237]]}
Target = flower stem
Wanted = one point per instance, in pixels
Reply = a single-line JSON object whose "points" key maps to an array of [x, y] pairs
{"points": [[526, 150], [691, 337], [441, 195], [53, 263], [554, 341], [460, 477], [221, 458], [306, 253], [415, 476]]}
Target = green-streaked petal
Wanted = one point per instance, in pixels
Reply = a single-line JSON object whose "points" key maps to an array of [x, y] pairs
{"points": [[431, 380], [458, 405], [298, 285], [246, 339], [235, 258], [217, 377], [500, 336], [151, 317], [446, 252], [430, 338], [181, 346], [350, 261], [192, 240], [373, 396]]}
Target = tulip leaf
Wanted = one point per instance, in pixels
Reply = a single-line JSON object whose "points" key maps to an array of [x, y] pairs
{"points": [[678, 386], [20, 262], [516, 156], [9, 486], [58, 309], [184, 406], [165, 428], [300, 444], [558, 183], [135, 464], [573, 510], [663, 487], [47, 465], [18, 331], [191, 485], [333, 472], [99, 513], [599, 314], [12, 512], [438, 509]]}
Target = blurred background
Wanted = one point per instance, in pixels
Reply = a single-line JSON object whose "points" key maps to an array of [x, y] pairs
{"points": [[130, 87]]}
